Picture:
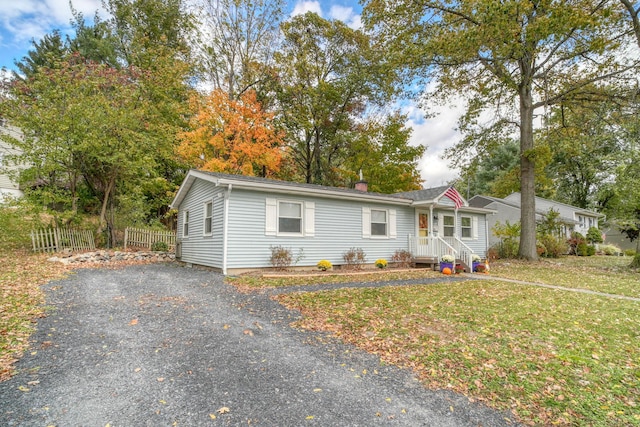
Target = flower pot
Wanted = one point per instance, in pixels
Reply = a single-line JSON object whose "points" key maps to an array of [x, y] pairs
{"points": [[475, 265], [444, 265]]}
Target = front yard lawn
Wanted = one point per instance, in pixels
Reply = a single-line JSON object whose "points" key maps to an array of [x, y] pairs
{"points": [[606, 274], [552, 357], [21, 301]]}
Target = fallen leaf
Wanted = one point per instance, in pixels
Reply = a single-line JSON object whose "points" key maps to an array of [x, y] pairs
{"points": [[160, 379], [310, 417], [133, 322], [23, 388], [317, 390], [212, 416], [223, 410], [248, 332], [137, 370]]}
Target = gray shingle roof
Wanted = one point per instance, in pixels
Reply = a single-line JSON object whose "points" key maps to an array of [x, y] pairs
{"points": [[425, 194]]}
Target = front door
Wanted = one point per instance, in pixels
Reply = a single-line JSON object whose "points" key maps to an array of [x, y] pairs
{"points": [[423, 224]]}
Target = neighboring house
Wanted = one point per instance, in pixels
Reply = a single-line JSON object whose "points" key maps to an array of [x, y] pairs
{"points": [[8, 186], [231, 222], [508, 209]]}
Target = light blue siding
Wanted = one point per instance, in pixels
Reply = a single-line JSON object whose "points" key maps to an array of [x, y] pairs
{"points": [[338, 227], [198, 248]]}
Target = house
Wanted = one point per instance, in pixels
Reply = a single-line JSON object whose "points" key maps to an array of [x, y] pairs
{"points": [[231, 222], [508, 209], [8, 185]]}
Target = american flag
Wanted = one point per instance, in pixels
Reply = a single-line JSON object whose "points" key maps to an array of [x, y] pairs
{"points": [[453, 194]]}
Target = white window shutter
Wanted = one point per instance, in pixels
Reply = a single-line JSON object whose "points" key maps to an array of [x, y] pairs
{"points": [[393, 233], [309, 219], [440, 225], [366, 223], [474, 227], [271, 217]]}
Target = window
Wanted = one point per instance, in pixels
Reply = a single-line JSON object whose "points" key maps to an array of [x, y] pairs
{"points": [[466, 227], [208, 218], [378, 223], [448, 225], [290, 217], [185, 224]]}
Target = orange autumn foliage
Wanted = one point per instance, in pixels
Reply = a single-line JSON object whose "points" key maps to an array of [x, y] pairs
{"points": [[232, 136]]}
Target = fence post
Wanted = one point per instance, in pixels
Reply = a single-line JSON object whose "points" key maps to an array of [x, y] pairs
{"points": [[126, 235]]}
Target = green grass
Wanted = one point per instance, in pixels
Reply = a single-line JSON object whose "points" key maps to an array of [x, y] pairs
{"points": [[305, 278], [551, 357], [606, 274]]}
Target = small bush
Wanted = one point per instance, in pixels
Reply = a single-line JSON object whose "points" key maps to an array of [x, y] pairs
{"points": [[381, 263], [574, 241], [585, 250], [610, 250], [354, 258], [594, 235], [159, 247], [281, 257], [591, 250], [629, 252], [553, 246], [324, 265], [402, 258]]}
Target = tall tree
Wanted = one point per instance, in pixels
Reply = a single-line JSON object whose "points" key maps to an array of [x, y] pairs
{"points": [[231, 136], [237, 41], [517, 56], [328, 76], [45, 53], [83, 120]]}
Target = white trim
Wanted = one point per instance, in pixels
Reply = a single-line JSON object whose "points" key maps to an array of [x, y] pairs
{"points": [[271, 217], [225, 229], [470, 227], [204, 218], [393, 229], [309, 216], [386, 224], [366, 223], [185, 220], [288, 233]]}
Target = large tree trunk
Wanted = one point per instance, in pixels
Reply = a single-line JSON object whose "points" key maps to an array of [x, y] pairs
{"points": [[527, 249]]}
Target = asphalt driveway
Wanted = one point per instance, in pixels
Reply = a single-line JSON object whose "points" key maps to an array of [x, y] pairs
{"points": [[164, 345]]}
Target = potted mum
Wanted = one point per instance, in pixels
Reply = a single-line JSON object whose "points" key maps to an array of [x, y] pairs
{"points": [[324, 265], [446, 261], [475, 262], [381, 263]]}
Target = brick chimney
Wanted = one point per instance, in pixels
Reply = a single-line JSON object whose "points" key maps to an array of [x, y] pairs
{"points": [[361, 186]]}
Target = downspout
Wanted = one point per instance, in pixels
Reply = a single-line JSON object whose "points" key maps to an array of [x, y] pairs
{"points": [[225, 229]]}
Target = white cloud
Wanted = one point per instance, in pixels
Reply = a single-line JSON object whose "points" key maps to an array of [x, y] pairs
{"points": [[22, 21], [303, 7], [437, 134], [345, 14]]}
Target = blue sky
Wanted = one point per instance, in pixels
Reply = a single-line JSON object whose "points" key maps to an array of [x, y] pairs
{"points": [[24, 20]]}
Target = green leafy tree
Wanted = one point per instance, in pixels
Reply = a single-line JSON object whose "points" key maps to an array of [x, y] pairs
{"points": [[328, 75], [381, 150], [82, 121], [511, 58]]}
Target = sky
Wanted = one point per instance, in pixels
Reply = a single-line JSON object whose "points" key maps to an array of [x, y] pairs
{"points": [[24, 20]]}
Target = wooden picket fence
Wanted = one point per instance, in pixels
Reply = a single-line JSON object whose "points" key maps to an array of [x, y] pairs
{"points": [[141, 238], [59, 239]]}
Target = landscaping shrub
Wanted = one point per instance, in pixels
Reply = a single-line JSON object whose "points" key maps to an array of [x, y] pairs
{"points": [[281, 257], [636, 261], [509, 235], [610, 250], [585, 250], [573, 242], [630, 252], [402, 258], [354, 258], [160, 247], [594, 235], [553, 246]]}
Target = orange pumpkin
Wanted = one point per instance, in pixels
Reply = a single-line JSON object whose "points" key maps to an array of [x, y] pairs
{"points": [[446, 271]]}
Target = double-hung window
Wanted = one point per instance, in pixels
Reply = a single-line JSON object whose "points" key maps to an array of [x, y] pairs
{"points": [[208, 218], [185, 224], [289, 217], [466, 227], [378, 223], [448, 225]]}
